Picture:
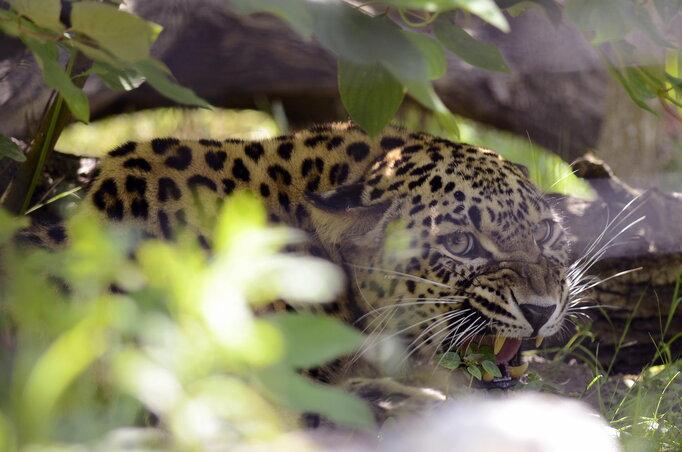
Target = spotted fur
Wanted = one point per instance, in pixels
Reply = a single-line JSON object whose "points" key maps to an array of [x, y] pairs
{"points": [[476, 251]]}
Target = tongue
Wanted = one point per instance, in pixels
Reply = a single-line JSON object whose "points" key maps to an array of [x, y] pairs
{"points": [[509, 349]]}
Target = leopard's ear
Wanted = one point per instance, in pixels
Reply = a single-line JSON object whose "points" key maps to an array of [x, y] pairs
{"points": [[340, 199], [523, 169], [341, 215]]}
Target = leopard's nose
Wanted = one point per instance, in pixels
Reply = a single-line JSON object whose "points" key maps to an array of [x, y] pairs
{"points": [[537, 315]]}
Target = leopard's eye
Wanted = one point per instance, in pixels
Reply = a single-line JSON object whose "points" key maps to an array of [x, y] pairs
{"points": [[459, 243], [543, 231]]}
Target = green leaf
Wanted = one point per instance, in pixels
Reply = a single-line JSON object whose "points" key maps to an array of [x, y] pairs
{"points": [[9, 148], [293, 12], [430, 6], [676, 83], [424, 93], [625, 84], [97, 54], [606, 20], [485, 9], [551, 8], [491, 368], [370, 94], [638, 84], [242, 212], [46, 54], [160, 78], [44, 13], [449, 360], [475, 372], [117, 79], [471, 50], [312, 340], [432, 51], [125, 35], [302, 395], [448, 122], [360, 39], [9, 225], [9, 22]]}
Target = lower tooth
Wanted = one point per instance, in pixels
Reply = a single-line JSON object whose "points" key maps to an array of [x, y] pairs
{"points": [[487, 377], [517, 371]]}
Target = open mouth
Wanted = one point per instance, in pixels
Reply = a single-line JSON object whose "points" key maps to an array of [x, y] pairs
{"points": [[507, 351]]}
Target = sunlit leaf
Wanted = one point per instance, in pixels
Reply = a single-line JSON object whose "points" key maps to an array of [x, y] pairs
{"points": [[313, 340], [240, 213], [471, 50], [47, 56], [10, 149], [485, 9], [154, 385], [117, 79], [293, 12], [297, 279], [57, 368], [370, 94], [305, 396], [125, 35], [160, 78], [676, 83], [42, 12]]}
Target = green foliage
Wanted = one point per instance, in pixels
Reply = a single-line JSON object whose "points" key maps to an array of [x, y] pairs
{"points": [[123, 35], [81, 364], [9, 148], [47, 55], [471, 50], [396, 56], [293, 12], [117, 40], [613, 26], [476, 359], [357, 82]]}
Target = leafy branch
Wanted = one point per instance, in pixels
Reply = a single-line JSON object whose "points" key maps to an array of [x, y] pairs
{"points": [[99, 39]]}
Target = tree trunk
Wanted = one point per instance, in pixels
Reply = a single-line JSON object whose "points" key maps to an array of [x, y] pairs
{"points": [[647, 255]]}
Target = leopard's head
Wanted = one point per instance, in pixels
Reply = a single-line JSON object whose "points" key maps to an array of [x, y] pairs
{"points": [[448, 244]]}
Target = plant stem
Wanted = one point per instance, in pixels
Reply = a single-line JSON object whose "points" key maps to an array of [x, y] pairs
{"points": [[24, 184]]}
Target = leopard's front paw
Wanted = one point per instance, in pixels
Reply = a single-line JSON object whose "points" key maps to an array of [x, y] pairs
{"points": [[389, 398]]}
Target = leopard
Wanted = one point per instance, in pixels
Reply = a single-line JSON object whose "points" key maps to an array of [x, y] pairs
{"points": [[482, 255]]}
